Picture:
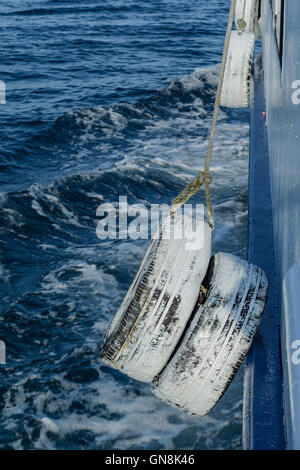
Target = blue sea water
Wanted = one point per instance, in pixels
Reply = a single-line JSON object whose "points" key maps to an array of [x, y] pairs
{"points": [[104, 98]]}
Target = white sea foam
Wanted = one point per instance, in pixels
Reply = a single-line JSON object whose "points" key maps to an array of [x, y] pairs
{"points": [[85, 284], [4, 273]]}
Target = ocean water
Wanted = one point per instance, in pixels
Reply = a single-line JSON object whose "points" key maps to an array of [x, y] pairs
{"points": [[104, 98]]}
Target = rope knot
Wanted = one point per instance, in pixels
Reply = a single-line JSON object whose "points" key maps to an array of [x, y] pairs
{"points": [[207, 179], [204, 178]]}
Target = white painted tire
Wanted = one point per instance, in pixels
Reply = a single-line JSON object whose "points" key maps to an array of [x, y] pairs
{"points": [[246, 16], [236, 84], [218, 337], [159, 302]]}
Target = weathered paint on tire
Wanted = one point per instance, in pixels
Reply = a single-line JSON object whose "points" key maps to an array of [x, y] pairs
{"points": [[218, 337], [236, 84], [157, 306]]}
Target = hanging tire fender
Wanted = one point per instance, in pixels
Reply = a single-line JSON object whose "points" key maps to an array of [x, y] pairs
{"points": [[159, 302], [236, 84], [218, 337], [246, 16]]}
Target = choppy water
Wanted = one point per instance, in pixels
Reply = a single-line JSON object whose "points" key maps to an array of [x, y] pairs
{"points": [[104, 98]]}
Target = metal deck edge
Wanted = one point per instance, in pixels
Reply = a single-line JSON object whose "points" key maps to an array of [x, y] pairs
{"points": [[263, 416]]}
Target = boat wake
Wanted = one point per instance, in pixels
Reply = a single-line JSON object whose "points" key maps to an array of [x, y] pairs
{"points": [[61, 286]]}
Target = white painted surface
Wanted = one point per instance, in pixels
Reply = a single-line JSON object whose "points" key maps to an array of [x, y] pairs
{"points": [[248, 11], [159, 302], [236, 84], [217, 339]]}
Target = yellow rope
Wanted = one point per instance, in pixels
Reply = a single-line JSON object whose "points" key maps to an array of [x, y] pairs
{"points": [[190, 189], [204, 177]]}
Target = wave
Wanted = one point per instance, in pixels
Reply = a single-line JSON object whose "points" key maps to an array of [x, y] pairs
{"points": [[70, 10], [63, 285]]}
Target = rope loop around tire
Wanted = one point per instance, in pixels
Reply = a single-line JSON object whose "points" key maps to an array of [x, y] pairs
{"points": [[192, 188]]}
